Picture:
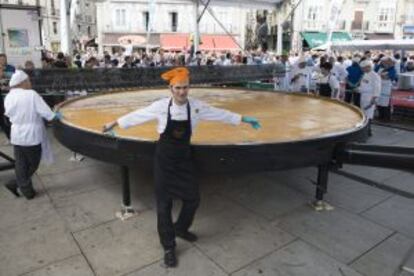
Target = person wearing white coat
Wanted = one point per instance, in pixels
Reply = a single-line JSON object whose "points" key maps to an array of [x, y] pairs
{"points": [[177, 118], [26, 111], [369, 89], [300, 77]]}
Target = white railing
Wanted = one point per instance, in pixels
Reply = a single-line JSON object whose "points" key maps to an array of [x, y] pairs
{"points": [[312, 25], [382, 27]]}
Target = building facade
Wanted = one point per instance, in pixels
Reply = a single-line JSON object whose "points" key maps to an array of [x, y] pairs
{"points": [[361, 19], [82, 21], [172, 19]]}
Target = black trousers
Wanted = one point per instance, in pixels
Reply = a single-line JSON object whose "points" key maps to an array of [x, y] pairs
{"points": [[384, 113], [353, 98], [4, 121], [165, 225], [27, 161]]}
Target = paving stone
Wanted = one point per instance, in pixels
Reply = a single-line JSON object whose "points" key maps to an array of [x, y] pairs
{"points": [[396, 213], [92, 208], [371, 173], [117, 247], [340, 234], [34, 244], [234, 237], [344, 192], [267, 196], [191, 262], [79, 181], [386, 135], [17, 211], [352, 195], [61, 160], [6, 149], [403, 181], [298, 259], [385, 259], [73, 266], [3, 138]]}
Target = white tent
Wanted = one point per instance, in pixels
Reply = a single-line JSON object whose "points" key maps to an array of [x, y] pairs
{"points": [[361, 45]]}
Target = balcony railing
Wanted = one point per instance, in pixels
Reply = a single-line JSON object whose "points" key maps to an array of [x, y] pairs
{"points": [[313, 25], [382, 27], [359, 26]]}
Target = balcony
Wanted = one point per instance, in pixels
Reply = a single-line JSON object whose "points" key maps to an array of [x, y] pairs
{"points": [[382, 27], [359, 26], [313, 25]]}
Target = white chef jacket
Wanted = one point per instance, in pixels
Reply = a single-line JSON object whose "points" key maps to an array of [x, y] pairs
{"points": [[370, 86], [302, 81], [26, 111], [158, 110], [333, 83], [339, 71]]}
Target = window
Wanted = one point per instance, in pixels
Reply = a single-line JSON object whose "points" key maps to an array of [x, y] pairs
{"points": [[79, 28], [120, 17], [386, 14], [173, 21], [52, 7], [89, 31], [55, 31], [314, 13], [146, 20], [19, 2], [386, 18]]}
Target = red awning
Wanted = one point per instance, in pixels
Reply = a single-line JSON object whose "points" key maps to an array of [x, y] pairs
{"points": [[208, 42], [174, 42]]}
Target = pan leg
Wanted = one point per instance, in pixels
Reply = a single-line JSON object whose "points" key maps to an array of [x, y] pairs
{"points": [[321, 188]]}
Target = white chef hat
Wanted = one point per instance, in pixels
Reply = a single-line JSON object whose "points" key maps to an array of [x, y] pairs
{"points": [[366, 63], [17, 78]]}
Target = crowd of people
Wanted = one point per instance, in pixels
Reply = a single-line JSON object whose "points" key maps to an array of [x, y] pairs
{"points": [[363, 79], [339, 75]]}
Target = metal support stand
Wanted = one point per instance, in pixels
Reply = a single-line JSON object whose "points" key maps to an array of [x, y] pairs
{"points": [[404, 266], [9, 165], [127, 211], [321, 189]]}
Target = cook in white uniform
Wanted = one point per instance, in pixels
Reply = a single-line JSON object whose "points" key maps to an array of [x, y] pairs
{"points": [[177, 118], [369, 88], [26, 111], [300, 77]]}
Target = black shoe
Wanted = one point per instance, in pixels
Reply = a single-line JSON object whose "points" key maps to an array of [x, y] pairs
{"points": [[29, 193], [12, 187], [187, 235], [170, 260]]}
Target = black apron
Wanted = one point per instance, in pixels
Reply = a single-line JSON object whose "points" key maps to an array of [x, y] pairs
{"points": [[173, 168], [325, 89]]}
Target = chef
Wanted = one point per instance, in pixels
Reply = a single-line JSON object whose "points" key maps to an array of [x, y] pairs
{"points": [[26, 111], [388, 74], [300, 77], [177, 117], [369, 89], [328, 84]]}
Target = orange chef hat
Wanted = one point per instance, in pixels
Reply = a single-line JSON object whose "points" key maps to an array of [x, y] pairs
{"points": [[176, 75]]}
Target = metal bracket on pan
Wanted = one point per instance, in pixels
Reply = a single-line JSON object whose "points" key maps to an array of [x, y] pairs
{"points": [[126, 213]]}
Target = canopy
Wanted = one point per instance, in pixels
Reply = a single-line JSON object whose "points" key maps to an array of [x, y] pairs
{"points": [[361, 45], [315, 39], [176, 42]]}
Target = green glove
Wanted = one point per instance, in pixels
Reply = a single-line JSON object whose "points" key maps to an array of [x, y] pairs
{"points": [[252, 121], [58, 116], [110, 132]]}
